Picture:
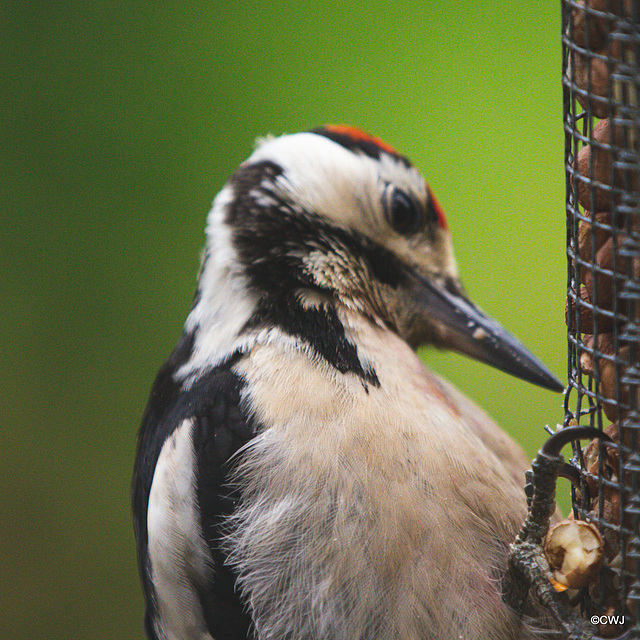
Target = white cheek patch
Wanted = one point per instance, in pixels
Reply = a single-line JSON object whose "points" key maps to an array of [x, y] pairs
{"points": [[178, 554]]}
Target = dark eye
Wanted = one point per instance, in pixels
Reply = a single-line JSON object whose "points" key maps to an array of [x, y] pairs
{"points": [[404, 214]]}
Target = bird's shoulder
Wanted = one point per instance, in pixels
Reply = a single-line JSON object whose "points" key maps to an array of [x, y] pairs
{"points": [[210, 401], [188, 435]]}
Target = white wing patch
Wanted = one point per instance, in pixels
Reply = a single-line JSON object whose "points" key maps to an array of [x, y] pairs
{"points": [[178, 554]]}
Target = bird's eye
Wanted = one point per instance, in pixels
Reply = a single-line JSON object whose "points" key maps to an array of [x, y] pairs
{"points": [[404, 214]]}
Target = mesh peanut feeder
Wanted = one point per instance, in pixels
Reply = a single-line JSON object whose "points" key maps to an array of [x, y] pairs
{"points": [[601, 98], [601, 46]]}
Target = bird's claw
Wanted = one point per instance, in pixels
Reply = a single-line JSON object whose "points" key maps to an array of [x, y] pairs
{"points": [[528, 569]]}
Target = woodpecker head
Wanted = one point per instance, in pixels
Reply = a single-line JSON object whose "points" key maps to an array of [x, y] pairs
{"points": [[334, 216]]}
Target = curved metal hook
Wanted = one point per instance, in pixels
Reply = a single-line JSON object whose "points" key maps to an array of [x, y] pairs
{"points": [[554, 445]]}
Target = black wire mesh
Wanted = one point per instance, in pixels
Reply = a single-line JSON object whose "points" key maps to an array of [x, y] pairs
{"points": [[601, 91]]}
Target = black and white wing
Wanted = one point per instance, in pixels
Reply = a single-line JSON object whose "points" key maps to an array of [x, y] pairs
{"points": [[181, 498]]}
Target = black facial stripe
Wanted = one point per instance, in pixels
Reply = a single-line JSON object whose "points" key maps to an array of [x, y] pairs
{"points": [[384, 265], [362, 146], [272, 236], [274, 268], [319, 327]]}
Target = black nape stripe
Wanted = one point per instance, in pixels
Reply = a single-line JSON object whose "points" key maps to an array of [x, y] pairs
{"points": [[319, 327]]}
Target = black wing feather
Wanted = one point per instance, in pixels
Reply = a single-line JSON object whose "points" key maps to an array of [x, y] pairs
{"points": [[220, 429]]}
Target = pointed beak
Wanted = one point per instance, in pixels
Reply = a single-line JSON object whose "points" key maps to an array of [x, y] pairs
{"points": [[459, 325]]}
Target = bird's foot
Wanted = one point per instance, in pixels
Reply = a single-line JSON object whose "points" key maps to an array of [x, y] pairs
{"points": [[528, 572]]}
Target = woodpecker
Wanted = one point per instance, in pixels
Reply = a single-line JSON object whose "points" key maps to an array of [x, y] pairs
{"points": [[300, 473]]}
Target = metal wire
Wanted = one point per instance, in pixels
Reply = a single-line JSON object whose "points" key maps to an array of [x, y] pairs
{"points": [[601, 97]]}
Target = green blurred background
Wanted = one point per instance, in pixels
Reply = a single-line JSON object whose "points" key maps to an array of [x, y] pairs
{"points": [[120, 122]]}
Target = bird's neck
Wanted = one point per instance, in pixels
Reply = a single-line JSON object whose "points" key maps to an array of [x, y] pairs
{"points": [[230, 317]]}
